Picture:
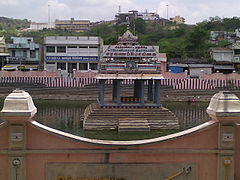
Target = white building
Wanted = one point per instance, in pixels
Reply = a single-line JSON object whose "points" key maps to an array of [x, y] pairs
{"points": [[222, 54], [237, 31], [38, 26], [72, 52], [148, 16]]}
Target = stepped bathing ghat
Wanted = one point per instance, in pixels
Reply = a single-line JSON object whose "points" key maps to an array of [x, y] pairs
{"points": [[129, 61]]}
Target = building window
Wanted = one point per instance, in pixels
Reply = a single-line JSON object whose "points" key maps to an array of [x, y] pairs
{"points": [[50, 49], [13, 53], [24, 53], [237, 51], [93, 66], [61, 49], [61, 66], [32, 54], [71, 67], [83, 47], [93, 47], [50, 62], [83, 66], [72, 47]]}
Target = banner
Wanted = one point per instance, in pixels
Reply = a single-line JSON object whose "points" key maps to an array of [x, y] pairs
{"points": [[71, 58]]}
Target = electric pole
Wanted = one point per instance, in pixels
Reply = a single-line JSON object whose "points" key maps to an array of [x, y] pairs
{"points": [[167, 10]]}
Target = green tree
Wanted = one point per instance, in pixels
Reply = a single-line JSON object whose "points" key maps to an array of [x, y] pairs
{"points": [[174, 47], [140, 25], [196, 42]]}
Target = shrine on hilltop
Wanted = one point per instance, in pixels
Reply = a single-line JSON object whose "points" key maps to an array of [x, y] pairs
{"points": [[127, 60], [133, 106]]}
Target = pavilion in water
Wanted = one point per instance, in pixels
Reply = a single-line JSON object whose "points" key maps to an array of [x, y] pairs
{"points": [[127, 61]]}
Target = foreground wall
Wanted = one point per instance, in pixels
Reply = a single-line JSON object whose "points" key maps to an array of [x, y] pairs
{"points": [[29, 150]]}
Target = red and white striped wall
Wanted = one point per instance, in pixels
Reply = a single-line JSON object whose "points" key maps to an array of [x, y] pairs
{"points": [[79, 82]]}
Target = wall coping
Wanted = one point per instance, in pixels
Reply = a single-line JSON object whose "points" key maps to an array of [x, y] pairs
{"points": [[18, 104], [224, 104], [125, 143]]}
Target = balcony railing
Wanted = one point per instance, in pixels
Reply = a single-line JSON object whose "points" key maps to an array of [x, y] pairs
{"points": [[23, 46], [16, 58]]}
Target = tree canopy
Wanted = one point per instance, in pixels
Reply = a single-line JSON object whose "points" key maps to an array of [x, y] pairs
{"points": [[175, 40]]}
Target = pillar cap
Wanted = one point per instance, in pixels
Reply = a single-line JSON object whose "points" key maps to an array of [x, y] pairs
{"points": [[18, 104], [224, 104]]}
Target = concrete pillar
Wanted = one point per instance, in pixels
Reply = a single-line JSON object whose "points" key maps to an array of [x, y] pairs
{"points": [[59, 72], [136, 88], [225, 108], [18, 109], [150, 90], [74, 73], [141, 91], [157, 92], [118, 92], [114, 90], [101, 91]]}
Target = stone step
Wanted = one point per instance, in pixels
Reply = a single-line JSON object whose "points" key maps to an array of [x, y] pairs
{"points": [[116, 120], [130, 113], [125, 129], [100, 125], [129, 119], [132, 124]]}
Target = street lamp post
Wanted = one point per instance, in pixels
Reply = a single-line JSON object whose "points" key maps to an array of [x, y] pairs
{"points": [[167, 11]]}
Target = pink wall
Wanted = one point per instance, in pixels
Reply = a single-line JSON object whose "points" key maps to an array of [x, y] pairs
{"points": [[3, 157], [28, 74], [4, 166], [221, 76], [237, 154], [44, 145], [39, 139], [170, 75], [89, 74]]}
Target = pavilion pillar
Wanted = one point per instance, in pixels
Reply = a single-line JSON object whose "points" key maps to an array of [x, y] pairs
{"points": [[150, 90], [136, 88], [101, 92], [114, 91], [157, 92], [118, 91], [141, 91]]}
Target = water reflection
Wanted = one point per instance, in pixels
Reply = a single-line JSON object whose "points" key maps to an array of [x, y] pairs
{"points": [[189, 114], [67, 116], [62, 115]]}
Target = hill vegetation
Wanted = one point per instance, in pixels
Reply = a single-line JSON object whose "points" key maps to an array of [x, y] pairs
{"points": [[178, 41], [12, 24]]}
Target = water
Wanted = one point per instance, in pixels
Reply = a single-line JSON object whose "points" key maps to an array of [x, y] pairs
{"points": [[66, 116]]}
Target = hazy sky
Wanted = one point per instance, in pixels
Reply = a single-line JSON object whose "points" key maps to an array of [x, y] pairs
{"points": [[95, 10]]}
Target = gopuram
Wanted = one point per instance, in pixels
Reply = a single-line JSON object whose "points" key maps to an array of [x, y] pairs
{"points": [[134, 72]]}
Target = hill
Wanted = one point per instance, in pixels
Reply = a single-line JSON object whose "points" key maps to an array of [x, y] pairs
{"points": [[10, 23]]}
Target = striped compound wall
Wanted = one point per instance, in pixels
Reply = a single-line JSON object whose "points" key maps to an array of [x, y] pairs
{"points": [[78, 82]]}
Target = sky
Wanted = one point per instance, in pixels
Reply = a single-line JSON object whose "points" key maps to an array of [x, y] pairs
{"points": [[96, 10]]}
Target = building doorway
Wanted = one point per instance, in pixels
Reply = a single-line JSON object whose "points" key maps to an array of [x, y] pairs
{"points": [[72, 66]]}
